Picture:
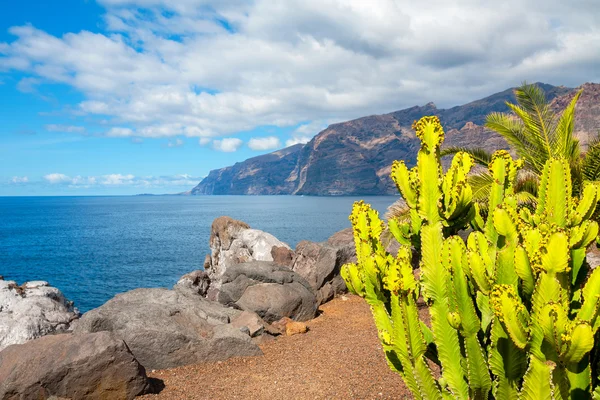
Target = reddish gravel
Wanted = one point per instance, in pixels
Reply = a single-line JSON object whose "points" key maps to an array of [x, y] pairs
{"points": [[339, 358]]}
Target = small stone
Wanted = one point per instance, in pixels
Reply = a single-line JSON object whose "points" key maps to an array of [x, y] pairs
{"points": [[280, 325], [295, 328]]}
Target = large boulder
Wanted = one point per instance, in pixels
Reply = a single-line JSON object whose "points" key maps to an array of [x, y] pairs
{"points": [[320, 265], [233, 242], [32, 310], [270, 290], [168, 328], [89, 366]]}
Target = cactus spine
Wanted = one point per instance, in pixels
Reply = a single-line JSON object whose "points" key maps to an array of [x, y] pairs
{"points": [[510, 314]]}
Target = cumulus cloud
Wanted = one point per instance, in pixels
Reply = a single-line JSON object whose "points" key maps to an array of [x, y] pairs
{"points": [[205, 68], [57, 178], [264, 143], [19, 179], [227, 145], [203, 141]]}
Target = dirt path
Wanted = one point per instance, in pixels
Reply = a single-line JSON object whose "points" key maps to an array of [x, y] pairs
{"points": [[339, 358]]}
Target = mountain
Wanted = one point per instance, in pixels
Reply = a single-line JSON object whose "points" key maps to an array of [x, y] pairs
{"points": [[355, 157]]}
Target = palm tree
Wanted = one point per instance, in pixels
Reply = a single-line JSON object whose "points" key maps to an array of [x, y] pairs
{"points": [[535, 133]]}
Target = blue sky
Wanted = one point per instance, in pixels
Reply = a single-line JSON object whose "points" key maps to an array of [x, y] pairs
{"points": [[147, 96]]}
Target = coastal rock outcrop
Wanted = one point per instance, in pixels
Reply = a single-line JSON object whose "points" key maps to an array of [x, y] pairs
{"points": [[270, 290], [32, 310], [233, 242], [88, 366], [168, 328]]}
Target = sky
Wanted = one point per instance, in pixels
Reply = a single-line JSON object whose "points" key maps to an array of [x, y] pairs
{"points": [[115, 97]]}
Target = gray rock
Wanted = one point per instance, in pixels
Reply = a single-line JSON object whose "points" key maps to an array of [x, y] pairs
{"points": [[254, 323], [32, 310], [320, 265], [168, 328], [233, 242], [195, 282], [270, 290], [89, 366]]}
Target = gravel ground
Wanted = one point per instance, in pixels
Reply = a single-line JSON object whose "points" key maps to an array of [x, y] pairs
{"points": [[338, 358]]}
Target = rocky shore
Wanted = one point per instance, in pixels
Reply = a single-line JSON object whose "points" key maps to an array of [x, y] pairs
{"points": [[253, 287]]}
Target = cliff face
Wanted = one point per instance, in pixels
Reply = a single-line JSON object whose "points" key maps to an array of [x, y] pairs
{"points": [[266, 174], [355, 157]]}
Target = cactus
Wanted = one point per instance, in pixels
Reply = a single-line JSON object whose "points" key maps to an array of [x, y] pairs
{"points": [[511, 313]]}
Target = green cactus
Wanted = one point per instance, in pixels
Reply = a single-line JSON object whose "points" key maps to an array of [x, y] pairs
{"points": [[511, 313]]}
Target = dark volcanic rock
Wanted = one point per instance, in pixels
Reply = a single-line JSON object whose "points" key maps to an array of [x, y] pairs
{"points": [[270, 290], [168, 328], [355, 157], [86, 366]]}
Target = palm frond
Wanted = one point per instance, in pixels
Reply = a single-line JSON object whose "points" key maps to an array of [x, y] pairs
{"points": [[530, 149], [565, 142], [481, 185], [527, 182], [480, 156], [537, 116], [398, 210], [590, 166]]}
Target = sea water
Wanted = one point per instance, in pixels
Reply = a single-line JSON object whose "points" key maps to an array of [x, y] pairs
{"points": [[92, 248]]}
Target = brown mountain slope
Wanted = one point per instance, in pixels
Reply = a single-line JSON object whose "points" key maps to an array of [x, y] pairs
{"points": [[354, 157]]}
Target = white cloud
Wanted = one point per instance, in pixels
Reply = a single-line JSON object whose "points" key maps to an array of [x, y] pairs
{"points": [[112, 180], [305, 132], [116, 179], [167, 69], [264, 143], [119, 132], [19, 179], [227, 145], [203, 141], [57, 178], [65, 128]]}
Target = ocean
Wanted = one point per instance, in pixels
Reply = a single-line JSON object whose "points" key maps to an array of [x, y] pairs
{"points": [[92, 248]]}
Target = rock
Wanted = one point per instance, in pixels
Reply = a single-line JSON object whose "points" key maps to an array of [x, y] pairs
{"points": [[168, 328], [282, 256], [341, 238], [233, 242], [270, 290], [32, 310], [88, 366], [295, 328], [320, 265], [593, 257], [255, 324], [344, 241], [280, 325], [196, 282]]}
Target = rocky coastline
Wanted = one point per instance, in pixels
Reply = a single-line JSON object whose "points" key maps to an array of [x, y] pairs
{"points": [[253, 287]]}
